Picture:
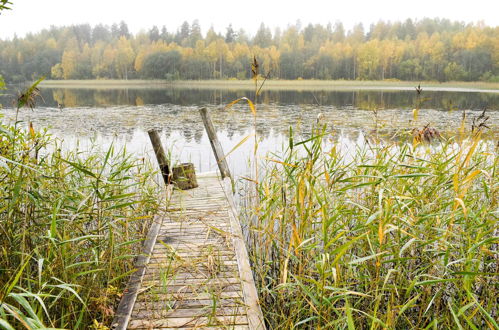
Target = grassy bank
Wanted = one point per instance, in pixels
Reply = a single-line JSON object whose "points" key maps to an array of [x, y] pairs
{"points": [[272, 84], [391, 236], [70, 226]]}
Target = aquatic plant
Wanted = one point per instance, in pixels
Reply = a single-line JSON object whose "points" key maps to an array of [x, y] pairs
{"points": [[397, 236], [71, 224]]}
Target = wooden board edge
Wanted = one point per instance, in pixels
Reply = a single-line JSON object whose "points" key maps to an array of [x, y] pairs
{"points": [[255, 315], [127, 302]]}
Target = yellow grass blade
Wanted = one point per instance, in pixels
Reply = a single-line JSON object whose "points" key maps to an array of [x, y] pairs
{"points": [[455, 182], [471, 176], [381, 232], [237, 145], [460, 202], [244, 98], [251, 105], [249, 179], [232, 103], [415, 113], [31, 130], [471, 151], [279, 162]]}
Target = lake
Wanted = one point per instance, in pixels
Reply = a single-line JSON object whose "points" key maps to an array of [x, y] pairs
{"points": [[98, 117]]}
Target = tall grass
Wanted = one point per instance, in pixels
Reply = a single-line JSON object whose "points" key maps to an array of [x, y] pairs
{"points": [[400, 236], [70, 225]]}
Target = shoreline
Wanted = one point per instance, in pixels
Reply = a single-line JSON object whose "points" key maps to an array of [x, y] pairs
{"points": [[298, 85]]}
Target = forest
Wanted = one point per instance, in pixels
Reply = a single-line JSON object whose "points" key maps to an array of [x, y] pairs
{"points": [[415, 50]]}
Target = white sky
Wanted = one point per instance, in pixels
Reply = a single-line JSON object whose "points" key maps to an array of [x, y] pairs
{"points": [[34, 15]]}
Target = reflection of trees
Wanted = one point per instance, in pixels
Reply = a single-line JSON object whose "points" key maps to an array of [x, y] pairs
{"points": [[198, 135], [364, 99], [187, 133], [230, 131], [58, 96], [70, 99], [341, 109], [64, 98], [139, 101]]}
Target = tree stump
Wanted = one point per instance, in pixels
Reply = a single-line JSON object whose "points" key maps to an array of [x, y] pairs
{"points": [[184, 176]]}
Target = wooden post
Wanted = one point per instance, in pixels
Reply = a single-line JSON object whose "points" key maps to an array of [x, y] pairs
{"points": [[184, 176], [160, 155], [215, 144]]}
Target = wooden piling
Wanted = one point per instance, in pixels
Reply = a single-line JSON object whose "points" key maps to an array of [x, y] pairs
{"points": [[160, 155], [215, 144]]}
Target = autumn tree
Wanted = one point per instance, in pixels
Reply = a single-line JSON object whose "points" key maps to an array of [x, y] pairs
{"points": [[427, 49], [124, 57]]}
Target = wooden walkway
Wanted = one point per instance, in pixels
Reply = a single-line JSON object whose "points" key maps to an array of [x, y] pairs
{"points": [[198, 273]]}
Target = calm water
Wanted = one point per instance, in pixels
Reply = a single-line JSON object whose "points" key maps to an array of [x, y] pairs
{"points": [[119, 116]]}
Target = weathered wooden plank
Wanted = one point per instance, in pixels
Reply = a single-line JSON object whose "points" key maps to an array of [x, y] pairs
{"points": [[198, 262], [197, 281], [193, 253], [199, 258], [198, 230], [232, 327], [196, 240], [193, 226], [191, 288], [190, 321], [198, 268], [189, 252], [200, 225], [189, 312], [186, 274], [146, 296], [186, 236], [194, 303]]}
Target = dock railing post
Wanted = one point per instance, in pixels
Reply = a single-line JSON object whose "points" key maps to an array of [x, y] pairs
{"points": [[215, 144], [160, 155]]}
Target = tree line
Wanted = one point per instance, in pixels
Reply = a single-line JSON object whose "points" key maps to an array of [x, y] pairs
{"points": [[427, 49]]}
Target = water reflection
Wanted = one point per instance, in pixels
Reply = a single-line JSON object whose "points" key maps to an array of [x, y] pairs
{"points": [[362, 99], [125, 115]]}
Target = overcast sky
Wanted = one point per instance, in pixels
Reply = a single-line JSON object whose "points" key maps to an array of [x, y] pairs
{"points": [[34, 15]]}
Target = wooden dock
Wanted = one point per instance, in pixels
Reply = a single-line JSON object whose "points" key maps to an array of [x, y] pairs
{"points": [[194, 271]]}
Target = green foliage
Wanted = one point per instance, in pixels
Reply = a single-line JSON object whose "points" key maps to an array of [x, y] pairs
{"points": [[2, 83], [71, 223], [402, 236], [454, 72], [429, 49], [5, 5], [162, 65]]}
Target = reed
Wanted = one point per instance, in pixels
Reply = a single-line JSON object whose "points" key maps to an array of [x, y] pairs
{"points": [[397, 235], [71, 224]]}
